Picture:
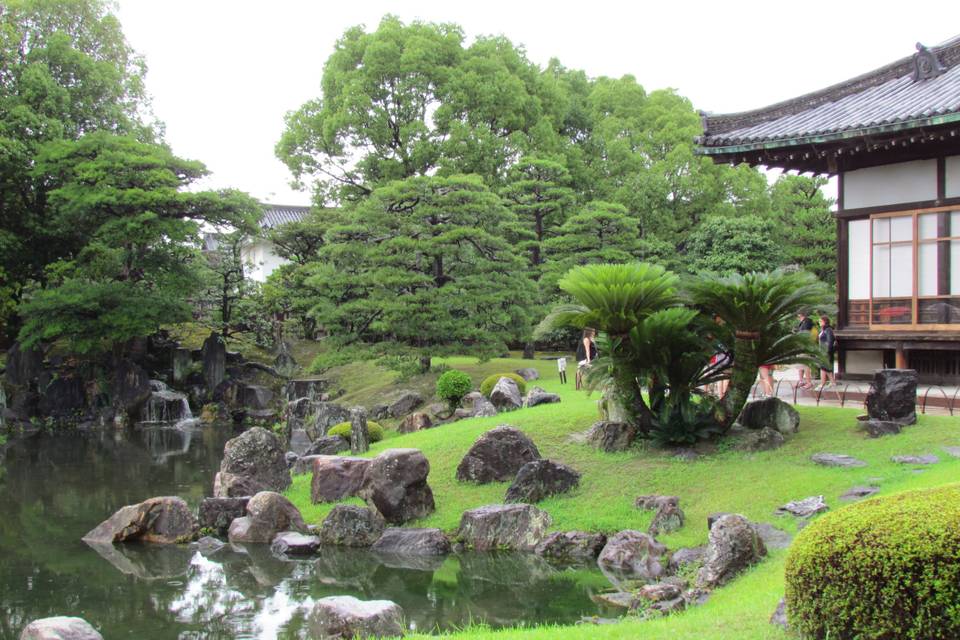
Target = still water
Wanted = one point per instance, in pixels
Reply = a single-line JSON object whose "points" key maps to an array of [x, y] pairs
{"points": [[53, 489]]}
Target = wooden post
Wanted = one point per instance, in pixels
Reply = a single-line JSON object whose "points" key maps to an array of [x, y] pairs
{"points": [[901, 357]]}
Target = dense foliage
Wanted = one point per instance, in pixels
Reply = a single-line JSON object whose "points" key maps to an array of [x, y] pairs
{"points": [[452, 386], [883, 568], [488, 383], [344, 429]]}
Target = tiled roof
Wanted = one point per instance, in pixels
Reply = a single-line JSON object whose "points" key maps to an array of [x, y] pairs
{"points": [[275, 215], [882, 100]]}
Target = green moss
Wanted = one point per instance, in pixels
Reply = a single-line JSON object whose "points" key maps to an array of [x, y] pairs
{"points": [[343, 429], [884, 568], [491, 381]]}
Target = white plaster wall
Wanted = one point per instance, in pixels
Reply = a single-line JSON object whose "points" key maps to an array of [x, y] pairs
{"points": [[261, 259], [890, 184], [864, 361], [858, 259], [953, 177]]}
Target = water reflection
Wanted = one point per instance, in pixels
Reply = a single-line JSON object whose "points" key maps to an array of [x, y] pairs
{"points": [[57, 488]]}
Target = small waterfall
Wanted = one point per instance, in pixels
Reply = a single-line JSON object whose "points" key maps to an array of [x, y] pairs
{"points": [[166, 406]]}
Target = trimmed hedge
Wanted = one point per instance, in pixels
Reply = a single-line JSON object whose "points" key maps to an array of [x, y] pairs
{"points": [[343, 429], [491, 381], [452, 386], [882, 569]]}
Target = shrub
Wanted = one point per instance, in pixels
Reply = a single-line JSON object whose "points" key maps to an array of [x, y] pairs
{"points": [[491, 381], [343, 429], [884, 568], [452, 386]]}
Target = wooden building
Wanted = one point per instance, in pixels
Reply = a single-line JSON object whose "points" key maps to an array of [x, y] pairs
{"points": [[892, 138]]}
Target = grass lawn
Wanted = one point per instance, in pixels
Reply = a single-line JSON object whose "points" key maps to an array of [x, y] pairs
{"points": [[753, 484]]}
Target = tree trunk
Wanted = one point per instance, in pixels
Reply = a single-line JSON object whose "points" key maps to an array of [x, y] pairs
{"points": [[424, 364], [742, 376], [528, 351]]}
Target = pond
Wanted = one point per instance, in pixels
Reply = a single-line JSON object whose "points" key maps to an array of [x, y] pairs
{"points": [[53, 489]]}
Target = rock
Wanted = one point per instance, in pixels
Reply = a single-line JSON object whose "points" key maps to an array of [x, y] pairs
{"points": [[519, 527], [217, 513], [214, 357], [298, 441], [733, 546], [415, 422], [130, 387], [292, 543], [612, 436], [893, 396], [327, 446], [256, 397], [529, 374], [23, 366], [379, 412], [483, 408], [572, 546], [252, 462], [351, 526], [924, 459], [804, 508], [660, 592], [163, 520], [654, 502], [539, 479], [395, 482], [406, 402], [291, 458], [324, 416], [772, 413], [669, 606], [953, 452], [686, 556], [336, 477], [348, 617], [285, 363], [268, 514], [309, 388], [858, 493], [538, 396], [617, 600], [779, 617], [497, 455], [837, 460], [765, 439], [60, 628], [505, 395], [634, 554], [772, 537], [412, 542], [668, 517], [63, 398], [879, 428], [209, 546], [359, 434]]}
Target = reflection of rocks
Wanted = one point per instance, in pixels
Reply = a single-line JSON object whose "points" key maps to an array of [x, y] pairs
{"points": [[345, 568], [164, 520], [348, 617], [145, 563], [409, 562], [504, 568], [60, 628]]}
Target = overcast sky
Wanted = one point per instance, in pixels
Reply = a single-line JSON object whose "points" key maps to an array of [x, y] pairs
{"points": [[223, 73]]}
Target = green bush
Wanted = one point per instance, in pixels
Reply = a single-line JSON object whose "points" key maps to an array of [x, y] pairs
{"points": [[343, 429], [881, 569], [491, 381], [452, 386]]}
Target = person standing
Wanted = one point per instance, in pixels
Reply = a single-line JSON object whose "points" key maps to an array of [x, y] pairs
{"points": [[586, 353], [828, 344], [804, 325]]}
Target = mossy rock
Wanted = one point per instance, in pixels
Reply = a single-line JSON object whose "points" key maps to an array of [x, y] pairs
{"points": [[491, 381], [884, 568], [343, 429]]}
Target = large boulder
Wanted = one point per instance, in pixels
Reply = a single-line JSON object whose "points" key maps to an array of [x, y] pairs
{"points": [[519, 527], [336, 477], [893, 396], [60, 628], [162, 520], [539, 479], [528, 374], [292, 543], [415, 422], [23, 366], [765, 439], [538, 396], [412, 542], [327, 446], [348, 617], [214, 359], [634, 554], [496, 456], [254, 461], [404, 403], [311, 389], [505, 395], [880, 428], [216, 514], [351, 526], [63, 397], [268, 513], [733, 545], [395, 482], [612, 436], [771, 413], [572, 546], [324, 415], [668, 516], [476, 405], [129, 387]]}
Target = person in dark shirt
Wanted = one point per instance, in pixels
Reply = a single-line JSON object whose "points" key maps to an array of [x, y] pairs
{"points": [[828, 344]]}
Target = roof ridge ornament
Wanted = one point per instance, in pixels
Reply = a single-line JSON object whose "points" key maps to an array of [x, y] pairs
{"points": [[926, 65]]}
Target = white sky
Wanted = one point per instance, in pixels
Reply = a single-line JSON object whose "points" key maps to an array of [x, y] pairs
{"points": [[223, 73]]}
